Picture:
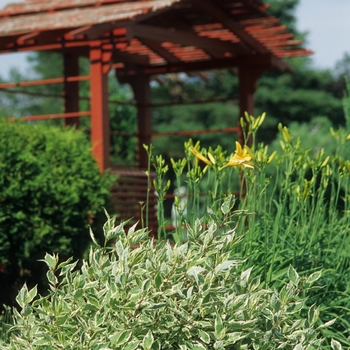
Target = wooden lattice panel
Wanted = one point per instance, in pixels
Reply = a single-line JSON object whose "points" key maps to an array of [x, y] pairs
{"points": [[129, 196]]}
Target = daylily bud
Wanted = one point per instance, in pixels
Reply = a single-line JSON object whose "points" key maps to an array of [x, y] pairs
{"points": [[286, 135], [261, 119], [325, 162], [242, 123], [271, 157], [155, 185], [248, 117], [173, 163]]}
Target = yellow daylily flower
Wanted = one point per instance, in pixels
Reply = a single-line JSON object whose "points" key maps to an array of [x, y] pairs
{"points": [[201, 157], [242, 157]]}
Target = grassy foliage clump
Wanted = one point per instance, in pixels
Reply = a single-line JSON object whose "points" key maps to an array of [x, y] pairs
{"points": [[50, 191], [299, 204], [134, 294]]}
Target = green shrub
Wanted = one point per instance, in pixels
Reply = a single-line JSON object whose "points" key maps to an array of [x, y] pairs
{"points": [[50, 190], [135, 294]]}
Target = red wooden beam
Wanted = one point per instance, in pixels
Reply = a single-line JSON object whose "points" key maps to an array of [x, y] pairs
{"points": [[51, 116], [280, 37], [260, 21], [99, 107], [248, 79], [45, 81], [284, 43], [61, 46], [258, 29], [197, 132], [260, 60], [27, 38], [38, 38], [142, 93]]}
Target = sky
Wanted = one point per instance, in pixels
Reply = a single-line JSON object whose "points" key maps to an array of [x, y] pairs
{"points": [[328, 25], [326, 21]]}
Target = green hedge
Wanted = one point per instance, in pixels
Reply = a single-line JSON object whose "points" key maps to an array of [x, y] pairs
{"points": [[50, 191]]}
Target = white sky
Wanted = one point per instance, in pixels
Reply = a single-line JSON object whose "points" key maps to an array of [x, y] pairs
{"points": [[327, 21], [328, 25]]}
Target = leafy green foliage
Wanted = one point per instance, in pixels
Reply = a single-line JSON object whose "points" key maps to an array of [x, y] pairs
{"points": [[314, 134], [301, 207], [135, 294], [50, 191], [298, 198]]}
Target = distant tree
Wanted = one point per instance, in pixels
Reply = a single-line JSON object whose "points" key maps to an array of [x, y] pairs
{"points": [[341, 72], [342, 67], [298, 97], [346, 104]]}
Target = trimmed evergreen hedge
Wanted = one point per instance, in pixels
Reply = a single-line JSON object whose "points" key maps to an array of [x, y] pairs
{"points": [[50, 191]]}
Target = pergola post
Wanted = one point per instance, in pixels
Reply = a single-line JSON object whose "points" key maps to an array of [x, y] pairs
{"points": [[248, 79], [142, 93], [100, 131], [71, 89]]}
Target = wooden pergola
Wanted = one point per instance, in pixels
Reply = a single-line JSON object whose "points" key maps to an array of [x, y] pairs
{"points": [[143, 38], [140, 39]]}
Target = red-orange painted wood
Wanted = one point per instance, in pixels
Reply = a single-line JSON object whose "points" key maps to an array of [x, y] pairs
{"points": [[248, 79], [45, 81], [142, 93], [100, 132], [51, 116]]}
